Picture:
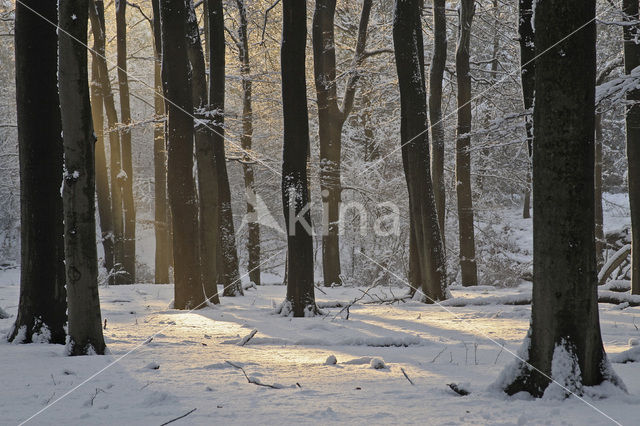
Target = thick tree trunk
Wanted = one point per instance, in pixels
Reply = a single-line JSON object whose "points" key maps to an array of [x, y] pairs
{"points": [[208, 200], [253, 242], [227, 238], [331, 119], [409, 54], [102, 176], [78, 188], [468, 266], [161, 222], [181, 187], [527, 74], [96, 14], [436, 74], [300, 299], [565, 328], [42, 307], [631, 61], [126, 179]]}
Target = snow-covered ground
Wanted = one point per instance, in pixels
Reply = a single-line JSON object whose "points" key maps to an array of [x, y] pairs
{"points": [[184, 366]]}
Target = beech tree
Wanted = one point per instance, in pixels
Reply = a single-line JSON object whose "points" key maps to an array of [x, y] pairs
{"points": [[227, 237], [331, 119], [300, 299], [631, 61], [565, 327], [125, 177], [468, 266], [427, 258], [181, 187], [161, 216], [42, 307], [78, 187], [438, 63]]}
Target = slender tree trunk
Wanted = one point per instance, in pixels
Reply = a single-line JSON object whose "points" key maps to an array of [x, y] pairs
{"points": [[206, 170], [300, 299], [161, 223], [600, 240], [331, 119], [78, 188], [565, 328], [96, 14], [227, 242], [42, 307], [438, 63], [414, 137], [181, 187], [253, 243], [102, 176], [527, 53], [631, 61], [468, 267], [126, 179]]}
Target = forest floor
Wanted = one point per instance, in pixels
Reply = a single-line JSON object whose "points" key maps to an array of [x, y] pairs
{"points": [[184, 366]]}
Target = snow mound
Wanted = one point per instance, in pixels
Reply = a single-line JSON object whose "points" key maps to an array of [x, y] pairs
{"points": [[331, 360], [152, 366], [359, 361], [377, 364], [3, 314], [634, 341], [630, 355], [565, 372]]}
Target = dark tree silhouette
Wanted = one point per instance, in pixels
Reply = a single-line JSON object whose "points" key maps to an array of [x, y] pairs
{"points": [[42, 307]]}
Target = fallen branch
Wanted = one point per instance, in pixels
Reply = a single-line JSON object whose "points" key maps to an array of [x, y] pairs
{"points": [[178, 418], [611, 265], [248, 337], [406, 376], [251, 379]]}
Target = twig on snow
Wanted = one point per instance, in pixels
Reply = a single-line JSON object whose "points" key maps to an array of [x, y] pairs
{"points": [[406, 376], [252, 380], [248, 337], [178, 418]]}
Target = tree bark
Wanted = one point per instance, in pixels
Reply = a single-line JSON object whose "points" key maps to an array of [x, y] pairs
{"points": [[78, 187], [102, 176], [527, 74], [126, 179], [468, 266], [42, 307], [205, 166], [414, 137], [253, 242], [300, 299], [631, 61], [227, 238], [331, 119], [96, 14], [161, 222], [438, 63], [181, 187], [564, 323]]}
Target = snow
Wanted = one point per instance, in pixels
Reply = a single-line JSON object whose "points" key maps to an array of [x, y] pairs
{"points": [[164, 363]]}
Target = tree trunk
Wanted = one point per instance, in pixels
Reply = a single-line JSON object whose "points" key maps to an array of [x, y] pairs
{"points": [[438, 63], [565, 328], [161, 222], [331, 119], [78, 187], [227, 237], [207, 185], [181, 188], [42, 307], [96, 14], [300, 299], [468, 266], [601, 243], [126, 179], [631, 61], [253, 242], [102, 175], [414, 137], [527, 74]]}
